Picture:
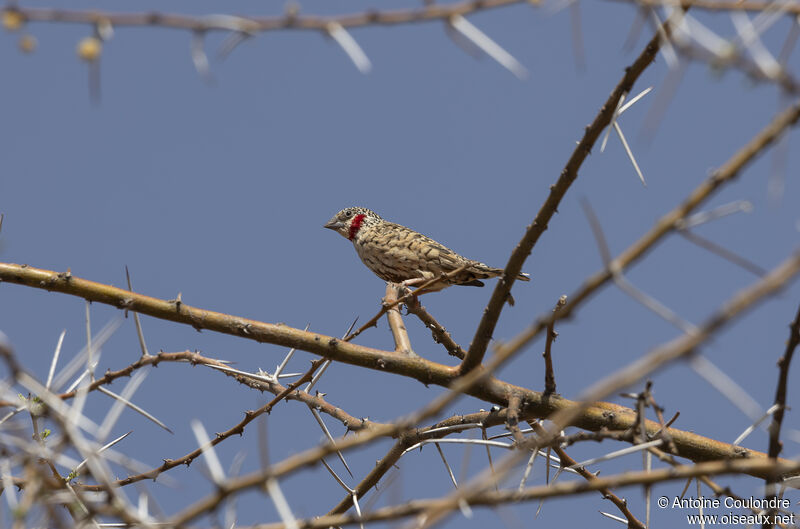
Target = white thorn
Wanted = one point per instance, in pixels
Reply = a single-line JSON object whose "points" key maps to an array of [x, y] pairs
{"points": [[214, 466], [633, 100], [199, 57], [488, 46], [613, 120], [55, 359], [281, 505], [750, 39], [350, 47], [667, 50], [629, 152]]}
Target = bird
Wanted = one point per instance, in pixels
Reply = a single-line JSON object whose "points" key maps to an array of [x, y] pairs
{"points": [[398, 254]]}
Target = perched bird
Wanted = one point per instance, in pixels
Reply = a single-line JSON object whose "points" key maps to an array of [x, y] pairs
{"points": [[401, 255]]}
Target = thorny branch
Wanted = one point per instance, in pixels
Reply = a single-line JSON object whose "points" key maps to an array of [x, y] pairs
{"points": [[255, 24], [387, 305], [784, 362], [569, 174], [775, 443], [549, 375], [402, 344]]}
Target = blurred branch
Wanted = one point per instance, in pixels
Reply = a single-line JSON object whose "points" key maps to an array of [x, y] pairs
{"points": [[409, 295], [440, 334], [721, 5], [255, 24], [292, 20], [553, 490]]}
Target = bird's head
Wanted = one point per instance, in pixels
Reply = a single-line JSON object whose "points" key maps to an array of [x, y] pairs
{"points": [[349, 220]]}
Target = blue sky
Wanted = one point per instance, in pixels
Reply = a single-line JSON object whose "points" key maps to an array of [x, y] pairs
{"points": [[219, 190]]}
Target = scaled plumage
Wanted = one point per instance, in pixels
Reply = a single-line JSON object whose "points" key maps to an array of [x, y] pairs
{"points": [[401, 255]]}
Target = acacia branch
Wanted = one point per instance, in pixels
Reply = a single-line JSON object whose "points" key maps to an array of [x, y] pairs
{"points": [[254, 24], [549, 374], [775, 443], [402, 343], [784, 361], [722, 5], [483, 334]]}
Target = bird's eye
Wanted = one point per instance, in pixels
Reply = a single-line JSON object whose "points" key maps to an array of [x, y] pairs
{"points": [[348, 213]]}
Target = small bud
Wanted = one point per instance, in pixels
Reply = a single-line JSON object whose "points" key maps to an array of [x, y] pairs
{"points": [[27, 43], [89, 49], [12, 20]]}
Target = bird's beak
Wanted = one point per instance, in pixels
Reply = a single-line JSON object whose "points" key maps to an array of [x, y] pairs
{"points": [[334, 225]]}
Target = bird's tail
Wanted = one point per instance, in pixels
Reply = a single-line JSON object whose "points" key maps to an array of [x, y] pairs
{"points": [[524, 277]]}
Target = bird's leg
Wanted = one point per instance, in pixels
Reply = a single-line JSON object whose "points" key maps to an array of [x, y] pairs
{"points": [[405, 286]]}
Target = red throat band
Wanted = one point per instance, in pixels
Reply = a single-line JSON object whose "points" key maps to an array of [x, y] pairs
{"points": [[355, 225]]}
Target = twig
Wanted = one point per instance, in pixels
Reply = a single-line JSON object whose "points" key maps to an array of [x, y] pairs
{"points": [[440, 334], [402, 344], [549, 376], [411, 294], [723, 252], [775, 443], [659, 411], [512, 422]]}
